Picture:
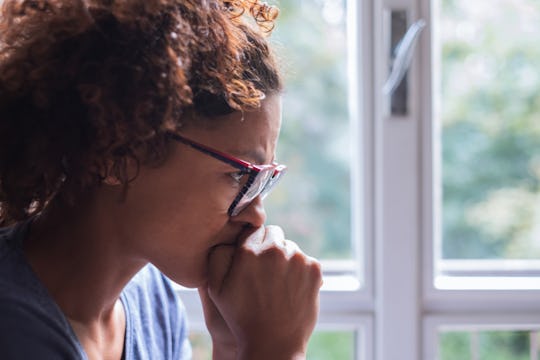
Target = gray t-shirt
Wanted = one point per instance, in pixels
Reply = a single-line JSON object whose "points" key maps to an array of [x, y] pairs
{"points": [[32, 326]]}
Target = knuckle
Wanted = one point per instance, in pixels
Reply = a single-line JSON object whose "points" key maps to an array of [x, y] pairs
{"points": [[273, 252], [244, 254], [274, 231], [315, 270], [299, 259], [316, 265]]}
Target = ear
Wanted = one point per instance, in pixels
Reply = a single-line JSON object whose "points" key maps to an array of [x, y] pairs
{"points": [[111, 180], [111, 169], [129, 166]]}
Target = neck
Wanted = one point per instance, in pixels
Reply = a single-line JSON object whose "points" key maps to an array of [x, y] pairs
{"points": [[82, 258]]}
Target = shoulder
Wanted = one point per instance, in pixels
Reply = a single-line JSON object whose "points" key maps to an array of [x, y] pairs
{"points": [[7, 240], [157, 320], [31, 325], [149, 287], [29, 330], [11, 238]]}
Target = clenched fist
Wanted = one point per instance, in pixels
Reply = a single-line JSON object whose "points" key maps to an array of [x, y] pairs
{"points": [[262, 297]]}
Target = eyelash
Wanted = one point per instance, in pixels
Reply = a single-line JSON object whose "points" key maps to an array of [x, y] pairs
{"points": [[238, 175]]}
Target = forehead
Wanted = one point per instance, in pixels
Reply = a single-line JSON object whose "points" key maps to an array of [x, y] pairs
{"points": [[251, 135]]}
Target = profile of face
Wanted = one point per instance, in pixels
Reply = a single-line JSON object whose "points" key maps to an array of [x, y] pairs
{"points": [[175, 214]]}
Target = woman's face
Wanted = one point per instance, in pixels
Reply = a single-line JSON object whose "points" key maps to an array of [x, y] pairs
{"points": [[175, 214]]}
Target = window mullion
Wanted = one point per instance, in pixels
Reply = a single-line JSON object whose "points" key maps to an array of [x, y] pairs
{"points": [[398, 252]]}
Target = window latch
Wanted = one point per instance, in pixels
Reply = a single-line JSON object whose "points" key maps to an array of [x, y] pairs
{"points": [[403, 42]]}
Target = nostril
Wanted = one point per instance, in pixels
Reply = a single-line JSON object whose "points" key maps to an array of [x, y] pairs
{"points": [[254, 215]]}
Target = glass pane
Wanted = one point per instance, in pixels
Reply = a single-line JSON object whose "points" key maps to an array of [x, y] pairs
{"points": [[201, 345], [312, 203], [326, 345], [488, 345], [490, 116], [323, 345]]}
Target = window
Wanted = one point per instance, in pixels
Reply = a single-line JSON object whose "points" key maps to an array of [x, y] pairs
{"points": [[490, 146], [481, 290], [426, 215]]}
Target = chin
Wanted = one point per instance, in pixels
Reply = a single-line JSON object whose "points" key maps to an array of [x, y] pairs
{"points": [[190, 284], [190, 281]]}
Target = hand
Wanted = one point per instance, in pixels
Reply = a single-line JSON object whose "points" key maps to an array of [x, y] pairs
{"points": [[223, 341], [267, 292]]}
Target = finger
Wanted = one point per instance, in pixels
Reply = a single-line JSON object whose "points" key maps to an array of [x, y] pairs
{"points": [[272, 237], [209, 309], [291, 248], [274, 234], [253, 234], [276, 237], [254, 239], [219, 263]]}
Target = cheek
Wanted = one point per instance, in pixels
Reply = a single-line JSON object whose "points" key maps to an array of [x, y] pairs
{"points": [[168, 206], [210, 200]]}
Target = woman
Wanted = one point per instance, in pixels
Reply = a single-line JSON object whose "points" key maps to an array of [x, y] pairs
{"points": [[130, 131]]}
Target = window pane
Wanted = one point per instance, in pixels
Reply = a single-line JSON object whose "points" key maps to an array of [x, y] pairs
{"points": [[201, 345], [490, 115], [323, 345], [488, 345], [312, 203]]}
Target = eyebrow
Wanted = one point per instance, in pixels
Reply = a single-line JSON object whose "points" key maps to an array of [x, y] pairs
{"points": [[257, 157], [254, 156]]}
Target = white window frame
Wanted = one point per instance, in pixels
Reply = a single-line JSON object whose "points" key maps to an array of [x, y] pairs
{"points": [[398, 292], [475, 322], [409, 308], [484, 275], [495, 295]]}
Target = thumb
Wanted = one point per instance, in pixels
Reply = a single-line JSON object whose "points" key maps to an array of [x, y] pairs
{"points": [[209, 309], [219, 263], [206, 302]]}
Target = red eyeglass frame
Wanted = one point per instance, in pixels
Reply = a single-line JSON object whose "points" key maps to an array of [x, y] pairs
{"points": [[251, 169]]}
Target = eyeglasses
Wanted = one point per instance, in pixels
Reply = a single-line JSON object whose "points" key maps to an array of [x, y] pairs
{"points": [[261, 178]]}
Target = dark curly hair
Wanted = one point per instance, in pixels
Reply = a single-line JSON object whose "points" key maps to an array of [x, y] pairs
{"points": [[88, 85]]}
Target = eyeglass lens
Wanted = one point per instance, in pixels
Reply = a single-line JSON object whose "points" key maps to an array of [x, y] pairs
{"points": [[263, 182]]}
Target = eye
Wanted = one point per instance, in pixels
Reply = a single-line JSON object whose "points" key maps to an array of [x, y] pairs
{"points": [[238, 175]]}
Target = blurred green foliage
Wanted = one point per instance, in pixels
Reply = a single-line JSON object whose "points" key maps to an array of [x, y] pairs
{"points": [[454, 346], [490, 71], [490, 114], [332, 345], [323, 345], [312, 203], [484, 345], [201, 345]]}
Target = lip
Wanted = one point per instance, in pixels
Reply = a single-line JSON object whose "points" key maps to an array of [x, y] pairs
{"points": [[240, 236], [246, 232]]}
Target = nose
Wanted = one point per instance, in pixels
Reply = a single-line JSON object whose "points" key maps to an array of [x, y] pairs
{"points": [[254, 214]]}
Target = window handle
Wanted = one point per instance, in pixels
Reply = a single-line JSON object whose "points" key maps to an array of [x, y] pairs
{"points": [[402, 56]]}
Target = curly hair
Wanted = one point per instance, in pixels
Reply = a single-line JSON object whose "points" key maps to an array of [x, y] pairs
{"points": [[86, 86]]}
